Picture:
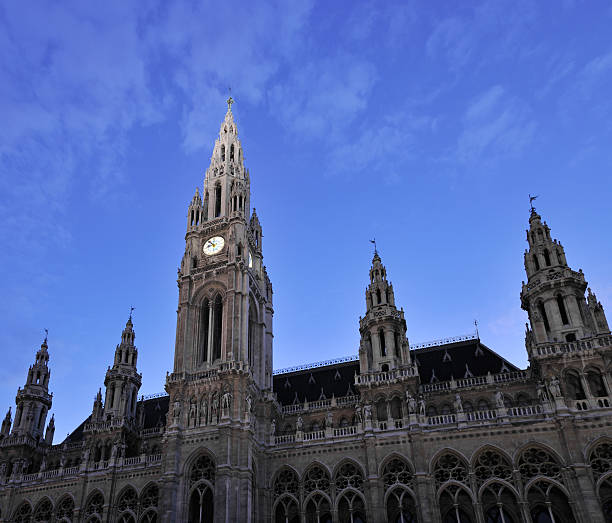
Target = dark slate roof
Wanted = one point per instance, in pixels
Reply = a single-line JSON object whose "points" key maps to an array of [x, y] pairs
{"points": [[450, 360], [331, 380]]}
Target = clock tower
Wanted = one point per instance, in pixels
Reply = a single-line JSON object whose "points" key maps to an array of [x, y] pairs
{"points": [[225, 295]]}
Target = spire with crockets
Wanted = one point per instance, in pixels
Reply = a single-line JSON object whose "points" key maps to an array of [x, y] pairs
{"points": [[554, 295]]}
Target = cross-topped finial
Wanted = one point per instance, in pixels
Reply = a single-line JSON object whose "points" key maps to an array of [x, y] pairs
{"points": [[132, 309], [230, 101], [374, 242], [531, 199], [46, 334]]}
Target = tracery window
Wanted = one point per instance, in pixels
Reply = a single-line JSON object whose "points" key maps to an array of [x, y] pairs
{"points": [[348, 475], [127, 506], [318, 509], [94, 508], [43, 511], [351, 508], [456, 505], [491, 464], [600, 459], [538, 462], [500, 504], [548, 504], [286, 489], [286, 511], [400, 506], [605, 497], [316, 478], [450, 467], [397, 472], [201, 484], [596, 384], [64, 511], [23, 514]]}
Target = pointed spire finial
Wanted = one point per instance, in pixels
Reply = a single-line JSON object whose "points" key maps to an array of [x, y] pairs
{"points": [[46, 335], [230, 101], [476, 325], [132, 309], [375, 249]]}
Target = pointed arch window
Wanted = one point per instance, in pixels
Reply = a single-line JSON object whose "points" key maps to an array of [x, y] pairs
{"points": [[205, 317], [383, 346], [547, 257], [542, 311], [253, 338], [223, 151], [232, 152], [202, 481], [536, 262], [217, 201], [217, 326], [378, 297], [562, 310]]}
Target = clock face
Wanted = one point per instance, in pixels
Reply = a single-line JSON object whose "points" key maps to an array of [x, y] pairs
{"points": [[213, 245], [250, 261]]}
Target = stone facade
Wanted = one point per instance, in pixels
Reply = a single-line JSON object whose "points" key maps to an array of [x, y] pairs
{"points": [[442, 432]]}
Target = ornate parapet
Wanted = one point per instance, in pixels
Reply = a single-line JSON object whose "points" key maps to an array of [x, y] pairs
{"points": [[545, 350]]}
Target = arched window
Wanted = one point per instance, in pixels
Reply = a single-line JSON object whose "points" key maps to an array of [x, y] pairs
{"points": [[536, 262], [232, 152], [64, 511], [396, 408], [217, 201], [600, 459], [253, 341], [605, 498], [596, 384], [383, 346], [286, 492], [483, 404], [381, 410], [217, 326], [573, 385], [542, 311], [201, 485], [43, 511], [127, 506], [548, 504], [317, 479], [348, 476], [538, 462], [547, 257], [456, 506], [562, 311], [378, 297], [223, 151], [23, 514], [450, 467], [205, 317], [500, 504], [318, 509], [94, 508], [398, 345], [149, 500], [351, 508]]}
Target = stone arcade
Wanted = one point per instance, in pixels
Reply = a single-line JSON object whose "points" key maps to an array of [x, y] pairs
{"points": [[442, 432]]}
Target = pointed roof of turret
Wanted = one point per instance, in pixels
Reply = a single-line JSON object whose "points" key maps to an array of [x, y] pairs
{"points": [[197, 199], [8, 416]]}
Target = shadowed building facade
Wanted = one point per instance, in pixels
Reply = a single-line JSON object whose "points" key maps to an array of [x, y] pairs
{"points": [[443, 432]]}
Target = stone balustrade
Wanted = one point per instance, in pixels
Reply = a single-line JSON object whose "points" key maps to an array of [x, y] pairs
{"points": [[548, 349], [475, 381], [344, 401], [385, 377]]}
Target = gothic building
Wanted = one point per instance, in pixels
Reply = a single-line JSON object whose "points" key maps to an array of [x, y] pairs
{"points": [[442, 432]]}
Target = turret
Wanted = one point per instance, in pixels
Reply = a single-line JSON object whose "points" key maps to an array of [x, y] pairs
{"points": [[122, 380], [383, 328], [6, 424], [195, 212], [50, 431], [34, 401], [554, 295], [97, 413]]}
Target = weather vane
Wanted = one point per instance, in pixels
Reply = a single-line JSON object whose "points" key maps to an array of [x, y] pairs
{"points": [[374, 242], [46, 334], [132, 309], [476, 325], [531, 199]]}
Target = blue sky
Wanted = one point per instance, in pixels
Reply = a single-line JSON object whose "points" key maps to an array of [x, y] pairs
{"points": [[422, 124]]}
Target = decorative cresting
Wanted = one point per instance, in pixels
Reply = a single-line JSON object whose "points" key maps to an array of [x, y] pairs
{"points": [[286, 494], [94, 508], [450, 467], [535, 462], [23, 514], [201, 490], [398, 480], [492, 464], [43, 511], [64, 511]]}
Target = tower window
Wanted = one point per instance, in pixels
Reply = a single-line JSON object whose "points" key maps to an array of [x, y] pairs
{"points": [[547, 257], [191, 219], [562, 310], [204, 330], [378, 297], [544, 316], [217, 326], [232, 152], [383, 347], [223, 152], [536, 262], [398, 345], [217, 201]]}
